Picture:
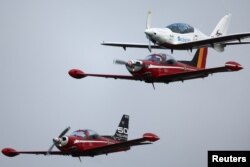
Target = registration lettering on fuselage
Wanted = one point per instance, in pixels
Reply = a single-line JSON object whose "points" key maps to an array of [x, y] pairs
{"points": [[181, 39]]}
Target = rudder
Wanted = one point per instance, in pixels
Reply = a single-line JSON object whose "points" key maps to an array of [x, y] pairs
{"points": [[222, 26]]}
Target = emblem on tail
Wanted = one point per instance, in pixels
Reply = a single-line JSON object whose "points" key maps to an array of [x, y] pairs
{"points": [[121, 133]]}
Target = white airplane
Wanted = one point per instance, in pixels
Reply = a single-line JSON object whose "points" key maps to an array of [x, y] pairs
{"points": [[181, 36]]}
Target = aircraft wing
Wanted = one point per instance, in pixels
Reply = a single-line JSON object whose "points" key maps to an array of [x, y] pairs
{"points": [[78, 74], [10, 152], [230, 66], [210, 42], [147, 138], [127, 77], [132, 45], [42, 152]]}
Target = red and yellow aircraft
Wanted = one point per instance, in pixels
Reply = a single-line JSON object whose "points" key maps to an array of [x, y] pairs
{"points": [[164, 68], [89, 143]]}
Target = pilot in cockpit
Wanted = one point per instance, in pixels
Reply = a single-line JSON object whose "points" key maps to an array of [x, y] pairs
{"points": [[169, 60]]}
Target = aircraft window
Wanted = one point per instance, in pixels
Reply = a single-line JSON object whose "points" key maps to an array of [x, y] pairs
{"points": [[154, 58], [163, 56], [79, 133], [86, 133], [181, 28], [170, 60], [92, 134]]}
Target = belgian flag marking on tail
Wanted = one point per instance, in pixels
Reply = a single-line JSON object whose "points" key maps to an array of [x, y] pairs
{"points": [[199, 59], [201, 63]]}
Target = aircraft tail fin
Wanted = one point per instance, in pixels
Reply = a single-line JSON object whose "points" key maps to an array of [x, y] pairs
{"points": [[199, 60], [222, 26], [121, 133]]}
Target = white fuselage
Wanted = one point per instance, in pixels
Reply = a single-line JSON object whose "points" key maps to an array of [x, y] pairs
{"points": [[165, 35]]}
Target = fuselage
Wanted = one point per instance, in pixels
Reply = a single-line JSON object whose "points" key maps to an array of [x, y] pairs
{"points": [[155, 66], [174, 34], [81, 141]]}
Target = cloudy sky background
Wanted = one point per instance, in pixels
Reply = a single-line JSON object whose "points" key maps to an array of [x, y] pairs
{"points": [[41, 40]]}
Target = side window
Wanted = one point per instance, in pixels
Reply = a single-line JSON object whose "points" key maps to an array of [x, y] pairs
{"points": [[170, 62], [94, 137], [158, 59]]}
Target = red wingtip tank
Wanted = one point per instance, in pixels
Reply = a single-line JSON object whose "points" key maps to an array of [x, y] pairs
{"points": [[150, 137], [10, 152], [77, 74], [233, 66]]}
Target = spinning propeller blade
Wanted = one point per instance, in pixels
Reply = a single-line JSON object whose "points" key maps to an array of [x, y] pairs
{"points": [[122, 62], [148, 26], [50, 149], [148, 23], [64, 132], [149, 45], [61, 135]]}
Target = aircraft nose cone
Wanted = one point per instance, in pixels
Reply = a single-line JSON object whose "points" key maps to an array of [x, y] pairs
{"points": [[149, 32], [56, 140], [134, 65], [146, 31]]}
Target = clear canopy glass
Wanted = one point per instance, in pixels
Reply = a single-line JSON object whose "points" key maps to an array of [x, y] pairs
{"points": [[181, 28], [85, 133], [161, 58]]}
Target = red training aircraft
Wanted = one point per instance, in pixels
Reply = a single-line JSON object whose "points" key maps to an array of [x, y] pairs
{"points": [[164, 68], [89, 143]]}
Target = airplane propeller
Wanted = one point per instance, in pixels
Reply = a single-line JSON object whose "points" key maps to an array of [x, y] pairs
{"points": [[149, 45], [148, 26], [121, 62], [61, 135], [132, 65]]}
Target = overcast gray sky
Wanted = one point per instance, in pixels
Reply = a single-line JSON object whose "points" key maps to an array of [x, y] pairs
{"points": [[41, 40]]}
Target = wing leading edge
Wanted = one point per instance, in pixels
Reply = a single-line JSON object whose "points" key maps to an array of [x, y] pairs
{"points": [[10, 152], [210, 42], [78, 74], [132, 45]]}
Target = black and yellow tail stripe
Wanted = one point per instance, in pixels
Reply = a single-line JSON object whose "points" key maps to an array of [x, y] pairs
{"points": [[202, 58]]}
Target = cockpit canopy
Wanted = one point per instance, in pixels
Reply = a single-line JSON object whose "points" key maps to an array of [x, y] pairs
{"points": [[161, 58], [86, 134], [181, 28]]}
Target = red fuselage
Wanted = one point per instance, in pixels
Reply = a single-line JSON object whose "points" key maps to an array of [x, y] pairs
{"points": [[76, 144], [155, 70]]}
